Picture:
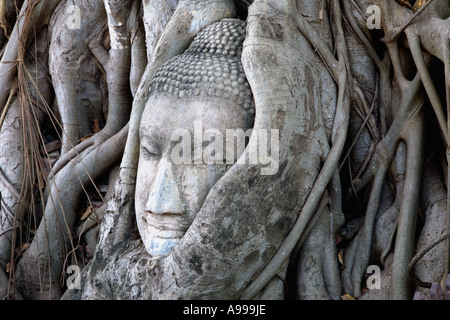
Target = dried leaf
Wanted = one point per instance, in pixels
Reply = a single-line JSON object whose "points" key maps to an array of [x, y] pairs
{"points": [[341, 257], [96, 127], [419, 4], [25, 246], [87, 213], [42, 176], [86, 137], [347, 297]]}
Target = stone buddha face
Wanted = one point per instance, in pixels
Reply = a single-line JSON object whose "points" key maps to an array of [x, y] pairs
{"points": [[195, 100]]}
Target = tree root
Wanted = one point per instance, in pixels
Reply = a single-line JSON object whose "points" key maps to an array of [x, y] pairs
{"points": [[44, 259], [416, 51], [414, 138], [324, 177], [386, 148], [5, 291], [361, 261], [32, 18], [394, 34]]}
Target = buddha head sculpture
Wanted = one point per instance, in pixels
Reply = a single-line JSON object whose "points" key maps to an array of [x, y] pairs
{"points": [[196, 100]]}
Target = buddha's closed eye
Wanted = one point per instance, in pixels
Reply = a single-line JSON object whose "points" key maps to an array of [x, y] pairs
{"points": [[150, 149]]}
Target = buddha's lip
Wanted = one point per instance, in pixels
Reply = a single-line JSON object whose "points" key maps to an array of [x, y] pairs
{"points": [[165, 213], [169, 235], [179, 227]]}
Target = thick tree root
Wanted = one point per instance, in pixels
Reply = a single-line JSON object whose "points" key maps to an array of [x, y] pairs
{"points": [[414, 138], [44, 260]]}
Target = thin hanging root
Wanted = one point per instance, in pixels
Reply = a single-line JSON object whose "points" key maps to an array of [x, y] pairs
{"points": [[368, 116], [365, 242], [35, 14], [404, 244], [12, 93], [416, 51], [385, 149], [4, 181], [5, 291]]}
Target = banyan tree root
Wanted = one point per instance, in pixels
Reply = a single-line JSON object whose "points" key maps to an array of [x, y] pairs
{"points": [[431, 267], [412, 133], [10, 178], [33, 16], [45, 258], [23, 113], [77, 78], [40, 269], [338, 135]]}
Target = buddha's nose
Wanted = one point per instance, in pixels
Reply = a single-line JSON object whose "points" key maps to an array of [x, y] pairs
{"points": [[164, 197]]}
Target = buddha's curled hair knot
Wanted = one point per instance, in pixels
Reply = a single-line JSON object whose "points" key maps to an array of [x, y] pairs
{"points": [[210, 66]]}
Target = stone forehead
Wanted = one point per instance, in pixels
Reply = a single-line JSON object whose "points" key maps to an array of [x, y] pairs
{"points": [[210, 66]]}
